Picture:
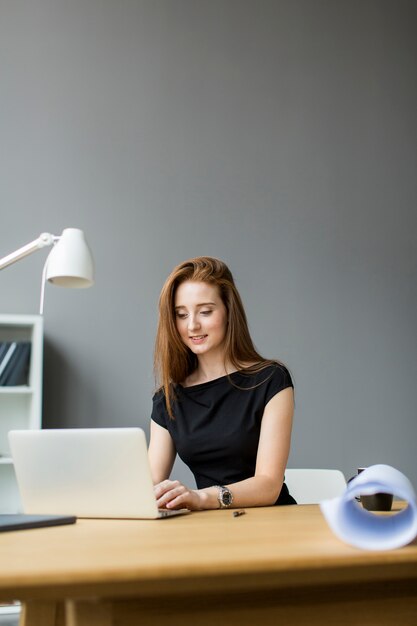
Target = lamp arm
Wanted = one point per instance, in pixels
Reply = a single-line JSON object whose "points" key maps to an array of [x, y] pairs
{"points": [[44, 239]]}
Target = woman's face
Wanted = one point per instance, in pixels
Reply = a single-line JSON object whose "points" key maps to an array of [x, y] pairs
{"points": [[201, 317]]}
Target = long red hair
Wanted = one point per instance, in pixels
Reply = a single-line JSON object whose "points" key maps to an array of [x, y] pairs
{"points": [[173, 360]]}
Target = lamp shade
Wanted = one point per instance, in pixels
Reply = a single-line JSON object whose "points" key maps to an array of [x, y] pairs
{"points": [[70, 263]]}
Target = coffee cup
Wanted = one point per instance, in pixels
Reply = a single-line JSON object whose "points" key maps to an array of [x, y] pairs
{"points": [[376, 501]]}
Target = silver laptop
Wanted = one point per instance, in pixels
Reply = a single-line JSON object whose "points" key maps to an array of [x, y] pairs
{"points": [[91, 472]]}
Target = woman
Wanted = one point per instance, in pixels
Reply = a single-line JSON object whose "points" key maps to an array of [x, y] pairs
{"points": [[223, 408]]}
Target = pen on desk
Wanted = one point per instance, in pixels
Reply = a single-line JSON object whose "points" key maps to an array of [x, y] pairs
{"points": [[238, 513]]}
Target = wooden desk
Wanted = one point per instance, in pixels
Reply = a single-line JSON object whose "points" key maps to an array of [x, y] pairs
{"points": [[277, 565]]}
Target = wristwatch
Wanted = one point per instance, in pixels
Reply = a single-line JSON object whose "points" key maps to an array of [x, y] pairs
{"points": [[224, 496]]}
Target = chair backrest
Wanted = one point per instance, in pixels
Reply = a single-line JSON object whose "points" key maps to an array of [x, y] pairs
{"points": [[311, 486]]}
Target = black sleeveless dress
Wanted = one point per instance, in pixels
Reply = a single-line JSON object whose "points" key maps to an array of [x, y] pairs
{"points": [[217, 424]]}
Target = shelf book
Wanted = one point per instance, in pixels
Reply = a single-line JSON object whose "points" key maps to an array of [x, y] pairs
{"points": [[14, 363]]}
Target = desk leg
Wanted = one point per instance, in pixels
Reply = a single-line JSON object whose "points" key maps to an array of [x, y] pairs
{"points": [[85, 613], [42, 614]]}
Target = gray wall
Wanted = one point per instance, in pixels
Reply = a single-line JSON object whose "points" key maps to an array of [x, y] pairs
{"points": [[277, 135]]}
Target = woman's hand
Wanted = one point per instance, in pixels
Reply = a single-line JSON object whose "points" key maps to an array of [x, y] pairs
{"points": [[171, 494]]}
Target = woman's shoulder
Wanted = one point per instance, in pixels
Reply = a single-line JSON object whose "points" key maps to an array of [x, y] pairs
{"points": [[270, 367], [158, 396], [272, 373]]}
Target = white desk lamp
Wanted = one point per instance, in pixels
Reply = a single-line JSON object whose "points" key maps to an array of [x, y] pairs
{"points": [[69, 264]]}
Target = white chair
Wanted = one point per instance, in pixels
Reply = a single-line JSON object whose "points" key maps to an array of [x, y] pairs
{"points": [[311, 486]]}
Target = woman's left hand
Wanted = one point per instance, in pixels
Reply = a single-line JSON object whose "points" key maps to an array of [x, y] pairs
{"points": [[171, 494]]}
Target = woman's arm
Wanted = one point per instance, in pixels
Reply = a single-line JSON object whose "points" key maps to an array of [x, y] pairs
{"points": [[161, 453], [264, 487]]}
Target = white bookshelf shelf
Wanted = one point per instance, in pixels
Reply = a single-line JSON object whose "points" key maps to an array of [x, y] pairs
{"points": [[16, 390]]}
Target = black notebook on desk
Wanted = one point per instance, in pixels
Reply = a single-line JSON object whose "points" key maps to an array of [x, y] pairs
{"points": [[11, 521]]}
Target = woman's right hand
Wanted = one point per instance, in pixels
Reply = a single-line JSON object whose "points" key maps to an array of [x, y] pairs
{"points": [[171, 494]]}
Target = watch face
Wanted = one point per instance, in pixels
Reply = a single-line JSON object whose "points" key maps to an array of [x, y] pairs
{"points": [[227, 497]]}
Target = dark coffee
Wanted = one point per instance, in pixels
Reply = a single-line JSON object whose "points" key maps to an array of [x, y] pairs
{"points": [[377, 502]]}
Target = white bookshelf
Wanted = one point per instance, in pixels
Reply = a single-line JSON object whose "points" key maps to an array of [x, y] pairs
{"points": [[21, 406]]}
